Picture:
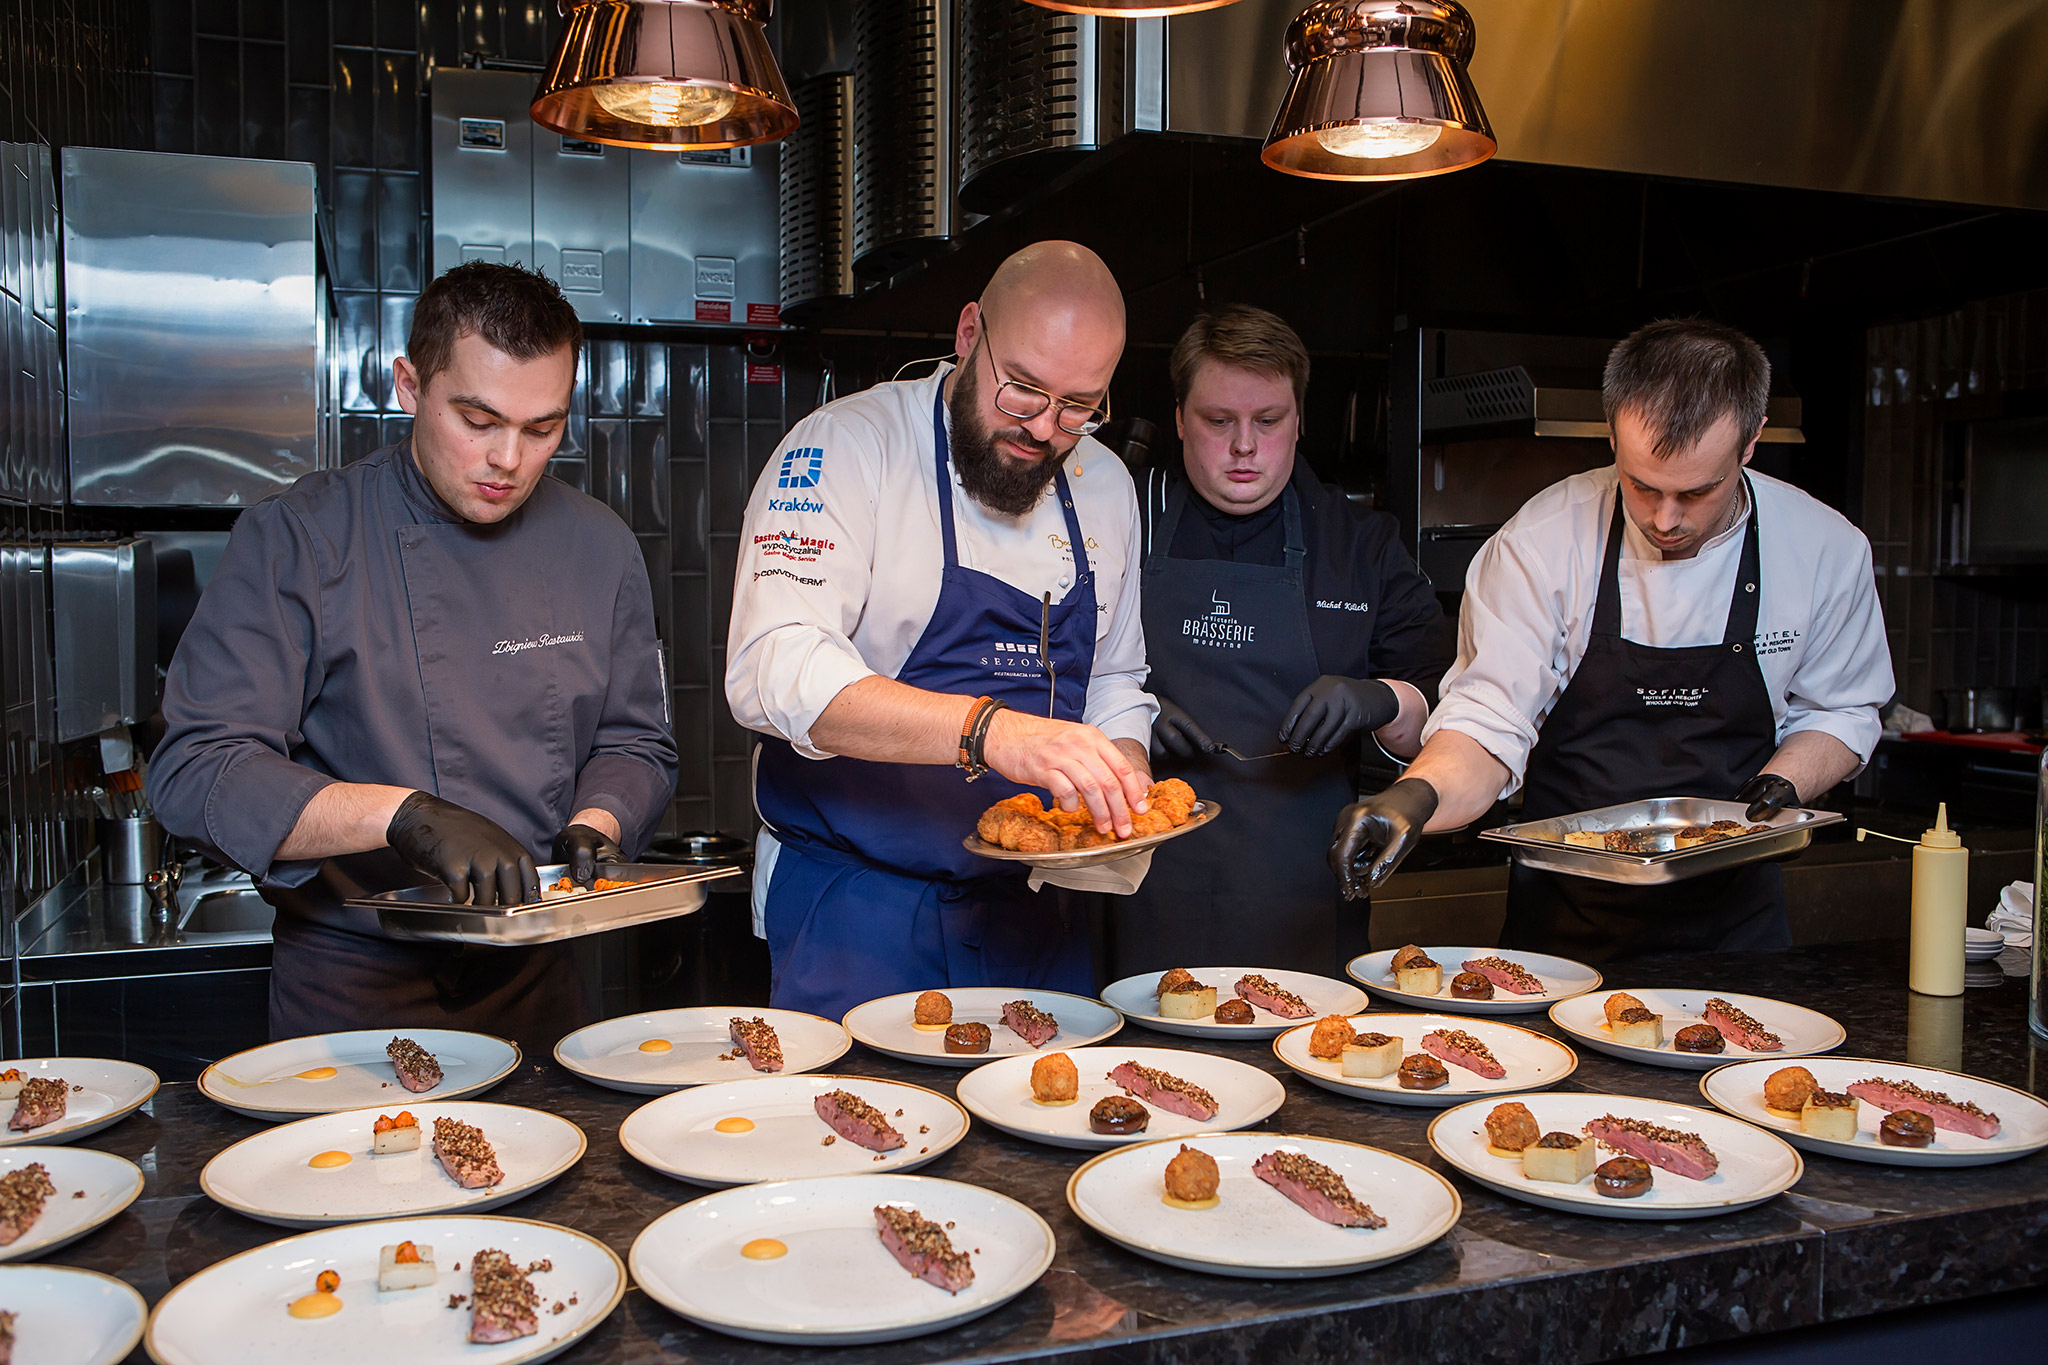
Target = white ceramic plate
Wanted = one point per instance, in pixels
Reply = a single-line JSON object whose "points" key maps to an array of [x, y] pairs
{"points": [[1980, 945], [885, 1025], [233, 1313], [109, 1184], [1533, 1062], [677, 1134], [1134, 998], [2023, 1119], [266, 1176], [700, 1041], [1000, 1094], [70, 1317], [1754, 1165], [1562, 979], [1256, 1231], [103, 1092], [838, 1285], [265, 1082], [1804, 1031]]}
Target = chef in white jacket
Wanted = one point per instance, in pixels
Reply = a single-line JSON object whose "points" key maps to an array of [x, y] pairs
{"points": [[904, 555], [1708, 632]]}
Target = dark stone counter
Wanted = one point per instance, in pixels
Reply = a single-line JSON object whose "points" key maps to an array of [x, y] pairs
{"points": [[1510, 1282]]}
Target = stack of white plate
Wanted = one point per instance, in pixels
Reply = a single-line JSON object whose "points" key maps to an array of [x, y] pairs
{"points": [[1981, 945]]}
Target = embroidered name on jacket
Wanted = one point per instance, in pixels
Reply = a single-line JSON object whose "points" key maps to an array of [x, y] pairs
{"points": [[1671, 696], [538, 642]]}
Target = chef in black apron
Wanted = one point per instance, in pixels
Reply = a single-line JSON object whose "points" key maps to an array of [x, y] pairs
{"points": [[389, 675], [1596, 657], [1276, 614]]}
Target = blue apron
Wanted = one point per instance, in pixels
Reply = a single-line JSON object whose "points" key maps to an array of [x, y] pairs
{"points": [[872, 892]]}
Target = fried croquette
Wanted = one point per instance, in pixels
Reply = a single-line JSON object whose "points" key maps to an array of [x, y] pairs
{"points": [[932, 1008], [1619, 1001], [1331, 1035], [1192, 1176], [1787, 1089], [1055, 1079], [1025, 824]]}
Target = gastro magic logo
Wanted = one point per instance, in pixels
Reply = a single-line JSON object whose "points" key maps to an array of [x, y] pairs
{"points": [[800, 468], [790, 545], [1219, 629]]}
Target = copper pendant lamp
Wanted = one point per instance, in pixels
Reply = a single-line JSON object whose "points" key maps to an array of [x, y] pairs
{"points": [[667, 75], [1132, 9], [1380, 92]]}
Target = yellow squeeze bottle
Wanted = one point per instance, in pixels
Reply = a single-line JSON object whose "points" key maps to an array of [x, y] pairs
{"points": [[1941, 883]]}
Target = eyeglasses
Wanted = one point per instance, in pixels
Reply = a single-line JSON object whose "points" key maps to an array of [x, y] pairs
{"points": [[1026, 402]]}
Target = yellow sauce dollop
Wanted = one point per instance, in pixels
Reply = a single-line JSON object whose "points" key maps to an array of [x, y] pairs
{"points": [[318, 1073], [735, 1124], [929, 1028], [656, 1045], [329, 1160], [1055, 1104], [315, 1305], [1196, 1205], [763, 1249]]}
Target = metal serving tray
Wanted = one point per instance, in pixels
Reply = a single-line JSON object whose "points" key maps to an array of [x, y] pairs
{"points": [[660, 891], [1540, 843]]}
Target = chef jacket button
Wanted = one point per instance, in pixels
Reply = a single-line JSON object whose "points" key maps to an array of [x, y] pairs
{"points": [[1064, 582], [1749, 587]]}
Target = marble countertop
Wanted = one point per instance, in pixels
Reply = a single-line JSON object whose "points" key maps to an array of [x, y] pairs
{"points": [[1850, 1239]]}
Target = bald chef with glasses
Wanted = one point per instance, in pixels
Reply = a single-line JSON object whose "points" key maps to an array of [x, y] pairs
{"points": [[903, 556]]}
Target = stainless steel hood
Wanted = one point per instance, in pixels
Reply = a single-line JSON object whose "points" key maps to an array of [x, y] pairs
{"points": [[1928, 99], [192, 314], [1511, 398]]}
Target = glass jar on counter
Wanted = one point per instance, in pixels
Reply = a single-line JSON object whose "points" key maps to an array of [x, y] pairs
{"points": [[2037, 1013]]}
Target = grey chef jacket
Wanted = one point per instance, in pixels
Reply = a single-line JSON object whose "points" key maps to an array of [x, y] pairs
{"points": [[358, 630]]}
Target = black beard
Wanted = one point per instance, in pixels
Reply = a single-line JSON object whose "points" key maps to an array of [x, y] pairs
{"points": [[997, 480]]}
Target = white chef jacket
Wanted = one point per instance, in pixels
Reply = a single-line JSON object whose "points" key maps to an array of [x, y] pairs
{"points": [[852, 486], [1530, 592]]}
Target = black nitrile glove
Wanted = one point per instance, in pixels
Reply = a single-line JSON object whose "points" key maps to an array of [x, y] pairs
{"points": [[1389, 825], [1768, 794], [583, 848], [1175, 733], [1332, 709], [478, 861]]}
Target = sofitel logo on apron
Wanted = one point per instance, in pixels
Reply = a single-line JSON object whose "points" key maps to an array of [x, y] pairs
{"points": [[539, 642], [1671, 696], [1219, 629]]}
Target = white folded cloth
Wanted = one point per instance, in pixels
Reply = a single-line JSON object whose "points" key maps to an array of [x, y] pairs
{"points": [[2014, 917], [1119, 878]]}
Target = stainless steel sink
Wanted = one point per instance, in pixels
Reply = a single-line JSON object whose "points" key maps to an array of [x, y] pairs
{"points": [[237, 911]]}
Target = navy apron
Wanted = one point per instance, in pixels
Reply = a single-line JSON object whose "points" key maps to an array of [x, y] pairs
{"points": [[1229, 643], [872, 892], [1636, 722]]}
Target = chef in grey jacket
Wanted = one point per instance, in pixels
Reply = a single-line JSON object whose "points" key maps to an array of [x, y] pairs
{"points": [[435, 656]]}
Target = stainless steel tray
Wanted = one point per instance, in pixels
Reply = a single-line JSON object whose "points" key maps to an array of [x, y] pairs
{"points": [[1540, 843], [1203, 813], [660, 891]]}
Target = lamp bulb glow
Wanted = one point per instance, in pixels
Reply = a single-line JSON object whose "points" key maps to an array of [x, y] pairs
{"points": [[1378, 141], [654, 105]]}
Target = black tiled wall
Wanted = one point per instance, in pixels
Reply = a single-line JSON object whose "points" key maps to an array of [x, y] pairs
{"points": [[1947, 631]]}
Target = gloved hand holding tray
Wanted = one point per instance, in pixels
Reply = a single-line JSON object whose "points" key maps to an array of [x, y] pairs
{"points": [[1655, 829], [651, 891]]}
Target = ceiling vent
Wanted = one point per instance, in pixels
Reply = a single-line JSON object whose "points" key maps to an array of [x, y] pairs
{"points": [[817, 196], [1039, 90], [903, 125]]}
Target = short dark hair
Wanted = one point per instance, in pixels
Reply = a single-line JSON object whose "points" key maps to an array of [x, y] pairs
{"points": [[518, 311], [1679, 375], [1245, 337]]}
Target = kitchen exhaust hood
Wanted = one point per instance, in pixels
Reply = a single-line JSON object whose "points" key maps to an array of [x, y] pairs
{"points": [[1512, 401]]}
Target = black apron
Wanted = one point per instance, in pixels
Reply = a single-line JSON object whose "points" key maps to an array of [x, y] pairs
{"points": [[1229, 643], [1636, 722]]}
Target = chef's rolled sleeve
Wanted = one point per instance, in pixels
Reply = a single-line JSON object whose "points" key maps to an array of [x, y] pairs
{"points": [[1117, 702], [1510, 666], [1845, 674], [631, 771], [222, 777], [806, 548]]}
